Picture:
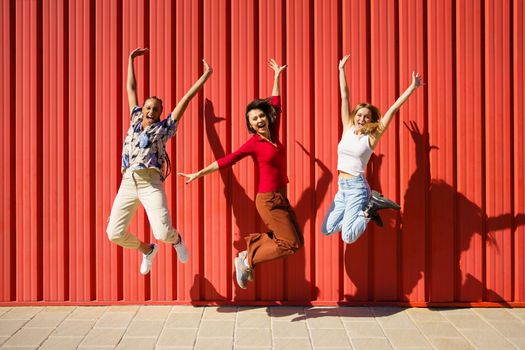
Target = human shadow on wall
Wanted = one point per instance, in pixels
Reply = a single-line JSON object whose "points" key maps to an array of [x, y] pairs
{"points": [[243, 203], [440, 190]]}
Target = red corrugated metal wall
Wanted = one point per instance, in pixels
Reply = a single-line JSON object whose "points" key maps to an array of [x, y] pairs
{"points": [[454, 157]]}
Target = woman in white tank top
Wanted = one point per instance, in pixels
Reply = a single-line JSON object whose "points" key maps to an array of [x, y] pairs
{"points": [[354, 205]]}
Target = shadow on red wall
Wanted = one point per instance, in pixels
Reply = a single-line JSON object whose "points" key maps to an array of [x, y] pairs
{"points": [[471, 214]]}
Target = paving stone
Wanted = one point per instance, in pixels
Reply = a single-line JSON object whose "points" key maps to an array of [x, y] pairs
{"points": [[387, 311], [136, 343], [315, 312], [61, 343], [328, 322], [183, 320], [73, 328], [486, 338], [103, 337], [518, 342], [253, 309], [438, 329], [450, 343], [177, 337], [329, 337], [123, 308], [282, 313], [221, 312], [114, 320], [153, 312], [406, 338], [9, 327], [510, 329], [216, 329], [253, 337], [3, 339], [468, 322], [28, 337], [46, 320], [456, 311], [396, 321], [356, 313], [253, 320], [286, 329], [143, 329], [87, 313], [21, 313], [495, 314], [425, 315], [186, 309], [291, 344], [59, 309], [371, 344], [213, 343], [363, 329], [4, 309]]}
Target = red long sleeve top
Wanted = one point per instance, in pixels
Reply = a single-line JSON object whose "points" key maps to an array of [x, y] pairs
{"points": [[269, 158]]}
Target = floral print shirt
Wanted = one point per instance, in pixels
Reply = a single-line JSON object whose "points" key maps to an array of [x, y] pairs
{"points": [[146, 148]]}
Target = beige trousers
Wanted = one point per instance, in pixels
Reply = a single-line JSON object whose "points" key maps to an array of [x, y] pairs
{"points": [[140, 186]]}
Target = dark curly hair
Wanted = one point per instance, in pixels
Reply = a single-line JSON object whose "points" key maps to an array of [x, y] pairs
{"points": [[158, 99], [265, 106]]}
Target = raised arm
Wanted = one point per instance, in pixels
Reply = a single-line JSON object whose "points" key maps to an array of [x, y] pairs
{"points": [[131, 84], [203, 172], [345, 108], [223, 162], [387, 118], [178, 111], [276, 90]]}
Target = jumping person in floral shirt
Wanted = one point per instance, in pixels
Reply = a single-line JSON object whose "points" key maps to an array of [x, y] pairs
{"points": [[144, 167]]}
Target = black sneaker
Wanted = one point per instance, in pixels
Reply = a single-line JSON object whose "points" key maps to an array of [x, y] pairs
{"points": [[377, 220], [379, 202]]}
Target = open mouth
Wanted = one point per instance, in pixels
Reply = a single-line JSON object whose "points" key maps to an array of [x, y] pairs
{"points": [[149, 117]]}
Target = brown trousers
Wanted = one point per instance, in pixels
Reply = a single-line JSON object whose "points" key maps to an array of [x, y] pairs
{"points": [[285, 236]]}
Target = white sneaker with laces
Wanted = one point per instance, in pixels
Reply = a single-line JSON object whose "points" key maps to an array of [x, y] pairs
{"points": [[182, 252], [147, 259]]}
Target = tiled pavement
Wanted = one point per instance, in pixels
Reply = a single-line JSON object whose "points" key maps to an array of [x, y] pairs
{"points": [[187, 327]]}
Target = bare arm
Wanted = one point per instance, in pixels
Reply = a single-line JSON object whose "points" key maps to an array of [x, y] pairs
{"points": [[178, 111], [345, 108], [387, 118], [131, 84], [276, 90], [203, 172]]}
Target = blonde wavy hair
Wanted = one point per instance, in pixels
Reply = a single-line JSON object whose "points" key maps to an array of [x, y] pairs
{"points": [[371, 127]]}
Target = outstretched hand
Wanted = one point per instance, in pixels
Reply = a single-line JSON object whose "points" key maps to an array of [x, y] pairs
{"points": [[139, 51], [417, 80], [276, 67], [189, 177], [343, 60]]}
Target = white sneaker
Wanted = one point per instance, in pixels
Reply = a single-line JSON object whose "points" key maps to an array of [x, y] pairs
{"points": [[147, 259], [182, 252]]}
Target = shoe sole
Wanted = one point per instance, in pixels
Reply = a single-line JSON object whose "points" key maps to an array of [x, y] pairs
{"points": [[154, 252], [391, 204], [238, 263], [250, 273]]}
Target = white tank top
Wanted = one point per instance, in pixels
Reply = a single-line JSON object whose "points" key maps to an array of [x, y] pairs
{"points": [[353, 153]]}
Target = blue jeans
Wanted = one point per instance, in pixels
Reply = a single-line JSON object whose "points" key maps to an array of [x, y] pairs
{"points": [[346, 212]]}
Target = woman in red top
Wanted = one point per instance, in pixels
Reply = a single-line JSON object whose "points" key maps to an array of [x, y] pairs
{"points": [[284, 237]]}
